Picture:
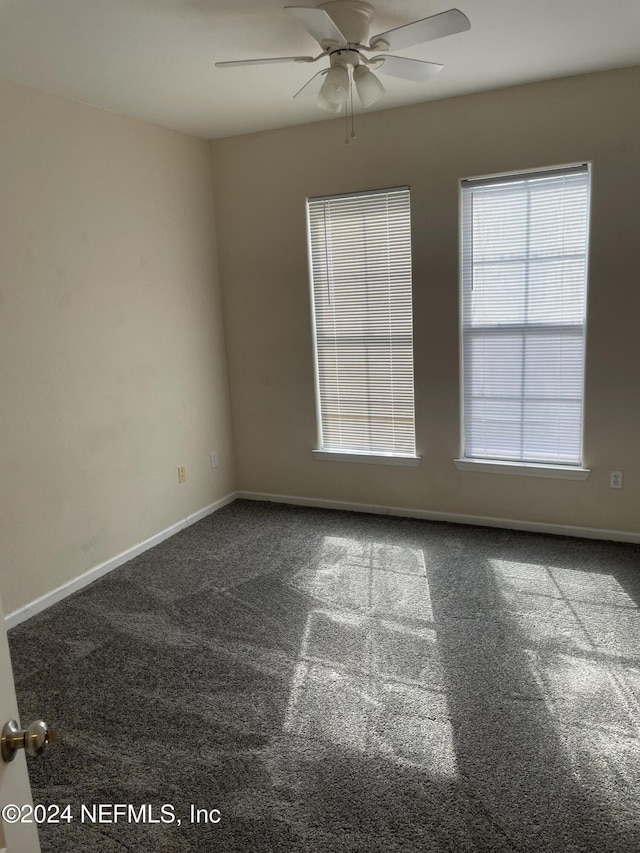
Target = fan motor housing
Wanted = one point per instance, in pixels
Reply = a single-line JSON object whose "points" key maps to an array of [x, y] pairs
{"points": [[344, 56], [352, 17]]}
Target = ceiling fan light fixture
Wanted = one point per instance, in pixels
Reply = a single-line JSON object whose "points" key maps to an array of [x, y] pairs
{"points": [[341, 28], [335, 89], [369, 88], [324, 104]]}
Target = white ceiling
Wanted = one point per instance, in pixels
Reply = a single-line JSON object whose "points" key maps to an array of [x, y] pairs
{"points": [[154, 59]]}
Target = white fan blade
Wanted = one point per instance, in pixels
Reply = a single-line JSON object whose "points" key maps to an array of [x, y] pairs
{"points": [[317, 23], [237, 62], [313, 86], [407, 69], [445, 24]]}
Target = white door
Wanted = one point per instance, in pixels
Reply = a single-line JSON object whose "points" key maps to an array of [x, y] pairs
{"points": [[14, 781]]}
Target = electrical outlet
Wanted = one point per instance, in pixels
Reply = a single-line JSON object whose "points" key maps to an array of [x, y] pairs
{"points": [[214, 459], [615, 479], [182, 474]]}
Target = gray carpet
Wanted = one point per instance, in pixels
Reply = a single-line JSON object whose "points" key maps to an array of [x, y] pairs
{"points": [[342, 682]]}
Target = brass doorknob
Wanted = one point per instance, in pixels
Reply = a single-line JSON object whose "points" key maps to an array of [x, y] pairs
{"points": [[33, 739]]}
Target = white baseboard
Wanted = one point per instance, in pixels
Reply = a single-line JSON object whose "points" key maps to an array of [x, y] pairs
{"points": [[49, 598], [455, 518]]}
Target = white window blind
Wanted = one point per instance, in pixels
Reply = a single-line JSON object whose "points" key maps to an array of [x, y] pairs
{"points": [[360, 249], [524, 279]]}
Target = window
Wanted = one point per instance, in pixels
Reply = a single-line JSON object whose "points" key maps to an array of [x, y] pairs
{"points": [[360, 252], [524, 280]]}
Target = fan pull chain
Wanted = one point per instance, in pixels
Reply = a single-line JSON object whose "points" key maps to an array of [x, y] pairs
{"points": [[349, 136], [346, 123], [353, 129]]}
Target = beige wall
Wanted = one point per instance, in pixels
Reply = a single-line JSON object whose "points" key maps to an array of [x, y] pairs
{"points": [[261, 182], [112, 360]]}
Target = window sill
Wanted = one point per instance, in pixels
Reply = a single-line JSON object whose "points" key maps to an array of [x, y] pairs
{"points": [[371, 458], [526, 469]]}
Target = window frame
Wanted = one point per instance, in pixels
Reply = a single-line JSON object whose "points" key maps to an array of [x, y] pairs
{"points": [[497, 466], [320, 452]]}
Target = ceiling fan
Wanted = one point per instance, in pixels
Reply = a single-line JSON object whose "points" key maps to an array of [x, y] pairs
{"points": [[341, 28]]}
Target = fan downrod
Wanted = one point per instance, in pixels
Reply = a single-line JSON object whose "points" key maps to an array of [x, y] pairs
{"points": [[352, 17]]}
